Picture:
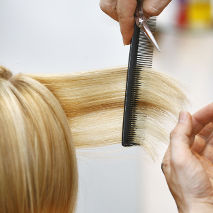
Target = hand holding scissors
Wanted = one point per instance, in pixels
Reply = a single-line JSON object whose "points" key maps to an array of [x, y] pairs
{"points": [[123, 11]]}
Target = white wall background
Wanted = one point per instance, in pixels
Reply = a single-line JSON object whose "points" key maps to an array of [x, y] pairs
{"points": [[63, 36]]}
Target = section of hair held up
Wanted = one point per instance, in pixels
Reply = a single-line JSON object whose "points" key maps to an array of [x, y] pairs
{"points": [[93, 102]]}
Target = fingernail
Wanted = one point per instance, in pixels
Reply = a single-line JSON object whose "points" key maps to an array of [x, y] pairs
{"points": [[125, 43], [183, 117]]}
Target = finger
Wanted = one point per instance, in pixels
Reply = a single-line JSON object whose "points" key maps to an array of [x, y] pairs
{"points": [[201, 127], [204, 146], [208, 149], [180, 138], [125, 12], [110, 8], [154, 7], [199, 144], [206, 132], [165, 165], [201, 118], [203, 138]]}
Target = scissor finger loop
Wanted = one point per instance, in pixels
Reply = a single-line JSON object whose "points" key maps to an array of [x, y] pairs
{"points": [[141, 22]]}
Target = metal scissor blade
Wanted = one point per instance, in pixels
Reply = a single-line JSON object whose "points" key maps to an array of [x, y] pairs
{"points": [[149, 35], [140, 20]]}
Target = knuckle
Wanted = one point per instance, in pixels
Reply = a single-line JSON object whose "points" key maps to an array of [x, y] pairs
{"points": [[125, 19], [173, 134], [152, 11], [107, 7], [102, 6], [164, 167], [177, 162]]}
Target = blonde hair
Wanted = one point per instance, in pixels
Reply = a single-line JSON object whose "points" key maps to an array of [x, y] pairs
{"points": [[43, 117], [38, 171], [93, 102]]}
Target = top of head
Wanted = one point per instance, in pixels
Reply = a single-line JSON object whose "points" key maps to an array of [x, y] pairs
{"points": [[5, 73]]}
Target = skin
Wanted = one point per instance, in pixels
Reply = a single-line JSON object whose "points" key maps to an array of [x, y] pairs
{"points": [[123, 12], [188, 162]]}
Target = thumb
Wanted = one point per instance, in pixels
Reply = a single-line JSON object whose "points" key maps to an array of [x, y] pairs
{"points": [[181, 137]]}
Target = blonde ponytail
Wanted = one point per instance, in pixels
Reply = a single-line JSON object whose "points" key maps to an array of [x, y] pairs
{"points": [[43, 117]]}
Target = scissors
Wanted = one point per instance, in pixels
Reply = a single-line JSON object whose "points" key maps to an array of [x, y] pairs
{"points": [[141, 22]]}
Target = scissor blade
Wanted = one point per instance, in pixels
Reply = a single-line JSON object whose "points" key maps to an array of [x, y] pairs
{"points": [[150, 36]]}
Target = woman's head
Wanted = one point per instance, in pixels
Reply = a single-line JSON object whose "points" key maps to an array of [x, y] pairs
{"points": [[38, 171], [38, 115]]}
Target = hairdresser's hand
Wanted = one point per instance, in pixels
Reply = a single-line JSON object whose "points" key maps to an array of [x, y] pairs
{"points": [[123, 12], [188, 162]]}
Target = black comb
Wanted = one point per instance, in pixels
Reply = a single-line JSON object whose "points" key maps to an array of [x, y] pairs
{"points": [[140, 57]]}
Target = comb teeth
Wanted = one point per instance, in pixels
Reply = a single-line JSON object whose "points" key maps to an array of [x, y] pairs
{"points": [[140, 57]]}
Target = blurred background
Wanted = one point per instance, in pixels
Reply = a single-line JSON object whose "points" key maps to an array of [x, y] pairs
{"points": [[52, 36]]}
